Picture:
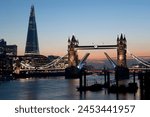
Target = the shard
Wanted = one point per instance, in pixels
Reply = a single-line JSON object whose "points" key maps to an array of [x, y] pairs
{"points": [[32, 47]]}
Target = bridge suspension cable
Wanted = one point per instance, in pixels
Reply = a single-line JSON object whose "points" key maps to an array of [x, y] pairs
{"points": [[52, 65], [54, 62], [27, 66], [142, 61]]}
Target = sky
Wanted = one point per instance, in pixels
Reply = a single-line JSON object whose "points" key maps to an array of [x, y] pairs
{"points": [[93, 22]]}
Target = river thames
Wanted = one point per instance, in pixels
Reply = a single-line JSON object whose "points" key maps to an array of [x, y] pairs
{"points": [[56, 88]]}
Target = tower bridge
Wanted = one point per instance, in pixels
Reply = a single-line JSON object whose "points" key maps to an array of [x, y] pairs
{"points": [[74, 47]]}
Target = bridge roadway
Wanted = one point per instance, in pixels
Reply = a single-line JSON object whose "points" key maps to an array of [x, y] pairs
{"points": [[63, 70], [24, 73], [139, 69], [101, 71], [44, 70]]}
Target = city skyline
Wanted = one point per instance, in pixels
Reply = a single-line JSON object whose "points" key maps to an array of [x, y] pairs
{"points": [[92, 22]]}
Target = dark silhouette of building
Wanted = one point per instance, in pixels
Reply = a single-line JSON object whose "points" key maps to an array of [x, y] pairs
{"points": [[10, 50], [32, 47], [2, 46], [6, 51], [6, 67]]}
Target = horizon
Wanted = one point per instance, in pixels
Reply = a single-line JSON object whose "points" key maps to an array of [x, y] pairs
{"points": [[93, 23]]}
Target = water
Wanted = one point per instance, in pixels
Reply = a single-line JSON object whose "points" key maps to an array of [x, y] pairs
{"points": [[55, 88]]}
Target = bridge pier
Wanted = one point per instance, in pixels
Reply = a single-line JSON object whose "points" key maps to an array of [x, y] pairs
{"points": [[82, 80], [84, 73], [121, 73], [72, 72], [144, 85], [134, 75], [106, 78], [140, 77]]}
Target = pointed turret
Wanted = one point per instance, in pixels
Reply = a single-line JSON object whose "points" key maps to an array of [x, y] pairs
{"points": [[73, 38], [124, 38], [117, 37], [121, 37], [68, 39]]}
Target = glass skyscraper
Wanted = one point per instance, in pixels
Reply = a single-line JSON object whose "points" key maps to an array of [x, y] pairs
{"points": [[32, 46]]}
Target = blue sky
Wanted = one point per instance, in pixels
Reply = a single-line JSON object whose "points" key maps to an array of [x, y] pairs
{"points": [[92, 21]]}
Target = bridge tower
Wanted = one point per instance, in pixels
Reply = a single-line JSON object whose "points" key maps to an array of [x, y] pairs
{"points": [[72, 71], [72, 52], [121, 71], [121, 51]]}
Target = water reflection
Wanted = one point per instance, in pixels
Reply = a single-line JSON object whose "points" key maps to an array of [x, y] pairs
{"points": [[31, 89], [56, 88]]}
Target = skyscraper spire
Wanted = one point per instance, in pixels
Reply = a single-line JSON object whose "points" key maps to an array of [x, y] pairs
{"points": [[32, 13], [32, 47]]}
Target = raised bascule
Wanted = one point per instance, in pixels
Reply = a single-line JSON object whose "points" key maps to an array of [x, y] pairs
{"points": [[121, 69]]}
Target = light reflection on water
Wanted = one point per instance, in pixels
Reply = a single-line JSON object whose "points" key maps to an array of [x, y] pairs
{"points": [[52, 88]]}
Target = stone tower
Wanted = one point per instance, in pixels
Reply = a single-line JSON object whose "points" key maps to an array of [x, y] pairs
{"points": [[72, 52], [121, 71], [121, 51]]}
